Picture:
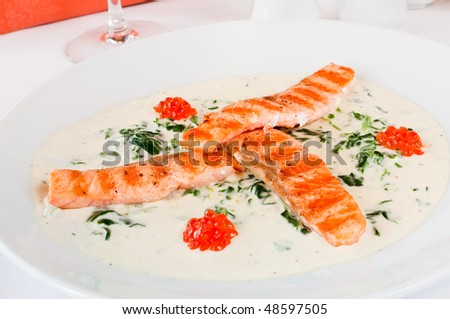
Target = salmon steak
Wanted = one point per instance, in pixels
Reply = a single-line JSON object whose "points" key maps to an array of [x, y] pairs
{"points": [[306, 101], [132, 184], [303, 182]]}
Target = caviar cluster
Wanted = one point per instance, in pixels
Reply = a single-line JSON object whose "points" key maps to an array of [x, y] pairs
{"points": [[213, 231], [406, 141], [175, 108]]}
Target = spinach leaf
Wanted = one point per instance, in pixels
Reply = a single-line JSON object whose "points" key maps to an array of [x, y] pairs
{"points": [[352, 180]]}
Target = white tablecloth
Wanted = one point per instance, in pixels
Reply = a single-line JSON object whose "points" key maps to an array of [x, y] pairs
{"points": [[30, 57]]}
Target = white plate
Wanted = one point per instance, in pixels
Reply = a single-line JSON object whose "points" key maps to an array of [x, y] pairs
{"points": [[416, 68]]}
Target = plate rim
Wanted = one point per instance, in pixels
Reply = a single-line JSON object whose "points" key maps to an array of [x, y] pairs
{"points": [[43, 276]]}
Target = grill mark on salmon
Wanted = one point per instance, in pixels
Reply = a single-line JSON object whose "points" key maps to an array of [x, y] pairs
{"points": [[304, 183], [134, 183], [307, 101]]}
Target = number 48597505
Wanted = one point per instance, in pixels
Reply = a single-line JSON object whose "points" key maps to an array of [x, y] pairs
{"points": [[299, 308]]}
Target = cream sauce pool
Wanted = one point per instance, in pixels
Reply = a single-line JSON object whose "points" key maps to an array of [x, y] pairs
{"points": [[397, 194]]}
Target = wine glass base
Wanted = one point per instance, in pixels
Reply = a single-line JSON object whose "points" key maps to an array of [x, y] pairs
{"points": [[95, 41]]}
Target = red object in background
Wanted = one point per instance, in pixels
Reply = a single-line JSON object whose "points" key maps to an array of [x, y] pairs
{"points": [[213, 231], [21, 14], [406, 141]]}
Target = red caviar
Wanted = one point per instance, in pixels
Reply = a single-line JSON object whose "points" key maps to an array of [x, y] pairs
{"points": [[406, 141], [175, 108], [213, 231]]}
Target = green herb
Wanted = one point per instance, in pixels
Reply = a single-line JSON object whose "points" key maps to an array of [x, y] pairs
{"points": [[356, 139], [194, 119], [107, 132], [125, 220], [136, 224], [358, 116], [104, 231], [106, 223], [171, 125], [381, 109], [371, 217], [174, 127], [260, 190], [77, 163], [352, 180], [323, 136], [128, 222], [249, 177], [110, 153], [331, 116], [174, 143], [398, 165], [96, 214], [254, 186], [149, 141], [294, 221], [328, 120], [383, 213], [291, 219], [192, 191], [367, 154], [107, 233], [385, 173], [229, 189], [337, 148], [224, 211], [375, 231], [367, 122]]}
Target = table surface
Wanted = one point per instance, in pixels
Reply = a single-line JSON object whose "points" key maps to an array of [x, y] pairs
{"points": [[30, 57]]}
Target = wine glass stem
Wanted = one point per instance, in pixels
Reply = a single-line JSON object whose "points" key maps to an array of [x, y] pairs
{"points": [[118, 29]]}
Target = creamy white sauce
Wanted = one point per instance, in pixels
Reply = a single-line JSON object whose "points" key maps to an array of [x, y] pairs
{"points": [[267, 245]]}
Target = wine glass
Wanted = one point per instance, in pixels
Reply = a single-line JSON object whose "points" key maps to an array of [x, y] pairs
{"points": [[117, 32]]}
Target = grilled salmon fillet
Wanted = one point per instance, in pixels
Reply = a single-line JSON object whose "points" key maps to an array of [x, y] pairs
{"points": [[303, 182], [134, 183], [307, 101]]}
